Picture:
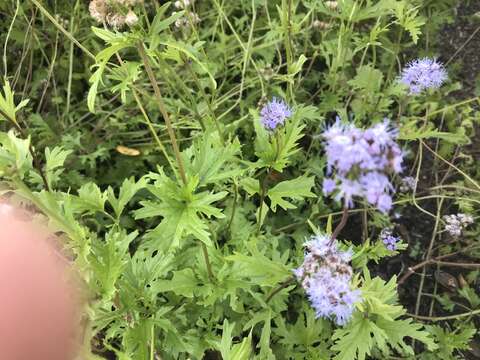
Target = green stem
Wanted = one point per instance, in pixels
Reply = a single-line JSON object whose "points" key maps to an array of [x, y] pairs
{"points": [[442, 318], [61, 28], [207, 262], [209, 105], [171, 134], [341, 225], [262, 199], [280, 287], [163, 111], [235, 197]]}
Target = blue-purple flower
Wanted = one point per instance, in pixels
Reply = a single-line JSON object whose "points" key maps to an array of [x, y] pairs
{"points": [[389, 240], [326, 275], [359, 162], [274, 114], [422, 74]]}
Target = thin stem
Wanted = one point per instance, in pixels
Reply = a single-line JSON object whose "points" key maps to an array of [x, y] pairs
{"points": [[171, 134], [280, 287], [411, 270], [207, 262], [340, 225], [62, 29], [152, 129], [263, 191], [288, 42], [235, 197], [152, 342], [441, 318], [163, 111]]}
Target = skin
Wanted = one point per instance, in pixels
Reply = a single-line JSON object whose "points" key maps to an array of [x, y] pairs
{"points": [[37, 298]]}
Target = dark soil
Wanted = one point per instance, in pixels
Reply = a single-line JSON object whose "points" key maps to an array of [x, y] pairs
{"points": [[457, 35]]}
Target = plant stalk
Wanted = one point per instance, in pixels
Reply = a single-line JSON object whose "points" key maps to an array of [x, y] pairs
{"points": [[341, 225], [163, 111]]}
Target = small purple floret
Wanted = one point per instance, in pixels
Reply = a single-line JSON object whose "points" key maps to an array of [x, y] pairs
{"points": [[390, 241], [422, 74], [274, 114]]}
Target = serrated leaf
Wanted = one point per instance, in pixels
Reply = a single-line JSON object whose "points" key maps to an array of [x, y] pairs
{"points": [[91, 198], [211, 160], [128, 189], [183, 283], [108, 259], [181, 209], [368, 78], [296, 189]]}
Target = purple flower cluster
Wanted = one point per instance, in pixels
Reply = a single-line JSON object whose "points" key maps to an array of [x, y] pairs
{"points": [[389, 240], [362, 160], [457, 223], [274, 114], [422, 74], [326, 275]]}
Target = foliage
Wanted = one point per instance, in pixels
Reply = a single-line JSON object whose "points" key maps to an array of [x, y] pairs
{"points": [[186, 216]]}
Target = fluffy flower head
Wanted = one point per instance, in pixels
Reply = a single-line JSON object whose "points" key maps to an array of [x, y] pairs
{"points": [[423, 74], [326, 275], [274, 114], [359, 161]]}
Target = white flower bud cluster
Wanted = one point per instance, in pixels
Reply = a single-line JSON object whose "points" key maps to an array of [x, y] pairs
{"points": [[457, 223], [115, 13]]}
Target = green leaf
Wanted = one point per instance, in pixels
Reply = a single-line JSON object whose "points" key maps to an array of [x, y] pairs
{"points": [[15, 154], [377, 324], [250, 185], [91, 198], [181, 209], [450, 341], [368, 78], [296, 67], [183, 283], [7, 104], [259, 268], [296, 189], [158, 25], [192, 54], [232, 351], [118, 42], [275, 150], [108, 259], [54, 163], [408, 18], [356, 340], [211, 160], [409, 131], [128, 189]]}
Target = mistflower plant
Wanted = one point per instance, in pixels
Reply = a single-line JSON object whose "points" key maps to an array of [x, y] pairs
{"points": [[326, 277], [359, 162], [389, 240], [423, 74], [274, 114], [455, 224]]}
